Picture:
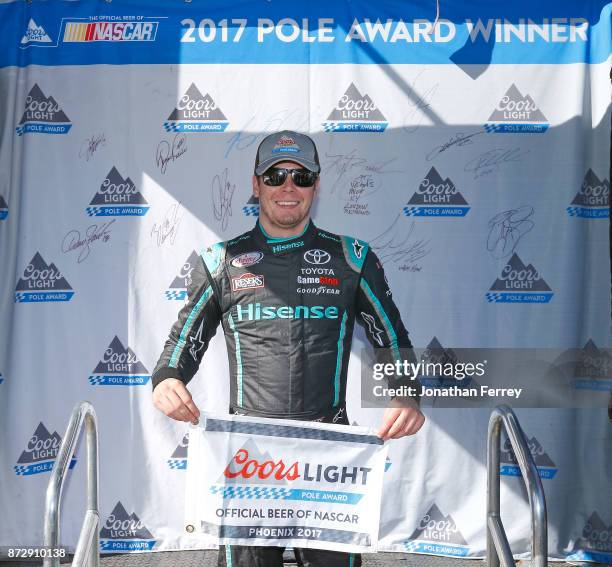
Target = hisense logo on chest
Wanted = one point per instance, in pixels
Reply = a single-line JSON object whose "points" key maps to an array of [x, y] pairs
{"points": [[257, 311]]}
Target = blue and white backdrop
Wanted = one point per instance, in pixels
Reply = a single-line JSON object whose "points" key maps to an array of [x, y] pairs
{"points": [[473, 155]]}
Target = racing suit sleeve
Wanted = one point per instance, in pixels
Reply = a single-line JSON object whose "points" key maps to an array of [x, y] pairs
{"points": [[377, 313], [189, 336]]}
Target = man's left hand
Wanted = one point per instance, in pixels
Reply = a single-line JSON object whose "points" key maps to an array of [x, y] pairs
{"points": [[400, 421]]}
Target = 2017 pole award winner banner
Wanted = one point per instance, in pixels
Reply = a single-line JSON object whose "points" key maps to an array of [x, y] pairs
{"points": [[254, 481]]}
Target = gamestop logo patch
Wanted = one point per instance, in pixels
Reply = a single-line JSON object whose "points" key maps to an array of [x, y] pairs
{"points": [[247, 281], [125, 532], [40, 453], [437, 534]]}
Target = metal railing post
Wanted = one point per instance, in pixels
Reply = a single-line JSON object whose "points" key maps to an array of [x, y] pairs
{"points": [[87, 549], [498, 547]]}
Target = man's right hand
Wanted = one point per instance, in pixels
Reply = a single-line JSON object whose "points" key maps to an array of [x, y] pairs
{"points": [[172, 398]]}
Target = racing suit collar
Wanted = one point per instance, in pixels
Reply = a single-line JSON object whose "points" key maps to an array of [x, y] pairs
{"points": [[284, 245]]}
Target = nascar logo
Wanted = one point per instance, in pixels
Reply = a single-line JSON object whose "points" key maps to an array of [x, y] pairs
{"points": [[247, 281], [79, 32]]}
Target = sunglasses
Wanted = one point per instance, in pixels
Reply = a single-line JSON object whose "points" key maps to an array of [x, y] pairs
{"points": [[276, 176]]}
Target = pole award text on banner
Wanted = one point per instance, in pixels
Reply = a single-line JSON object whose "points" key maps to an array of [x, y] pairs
{"points": [[273, 482]]}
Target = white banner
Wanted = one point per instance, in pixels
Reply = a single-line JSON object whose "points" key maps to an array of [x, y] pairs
{"points": [[257, 481]]}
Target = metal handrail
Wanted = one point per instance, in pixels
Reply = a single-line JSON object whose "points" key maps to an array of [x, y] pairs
{"points": [[498, 547], [87, 549]]}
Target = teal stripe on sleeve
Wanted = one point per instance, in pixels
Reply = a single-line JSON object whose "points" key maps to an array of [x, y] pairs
{"points": [[339, 360], [195, 312], [383, 317], [238, 360]]}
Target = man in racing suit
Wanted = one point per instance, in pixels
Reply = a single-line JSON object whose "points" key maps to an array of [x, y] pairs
{"points": [[287, 295]]}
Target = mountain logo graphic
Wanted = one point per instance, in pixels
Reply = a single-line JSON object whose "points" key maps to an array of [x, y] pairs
{"points": [[178, 459], [519, 284], [436, 197], [196, 113], [42, 282], [35, 35], [509, 463], [179, 285], [595, 543], [593, 369], [516, 113], [438, 535], [251, 209], [355, 112], [593, 199], [125, 532], [40, 453], [117, 197], [3, 209], [119, 366], [42, 115]]}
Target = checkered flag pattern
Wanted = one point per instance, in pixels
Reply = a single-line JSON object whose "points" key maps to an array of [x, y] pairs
{"points": [[493, 297], [95, 380], [93, 211], [171, 127], [177, 294], [252, 492], [177, 464], [489, 128], [251, 210], [330, 126]]}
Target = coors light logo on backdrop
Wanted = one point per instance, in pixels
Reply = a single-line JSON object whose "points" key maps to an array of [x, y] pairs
{"points": [[40, 453], [593, 199], [435, 353], [251, 209], [3, 209], [509, 464], [436, 197], [179, 285], [119, 366], [196, 113], [178, 459], [595, 543], [42, 282], [519, 284], [593, 370], [35, 35], [355, 112], [516, 113], [125, 532], [437, 534], [117, 197], [42, 115]]}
